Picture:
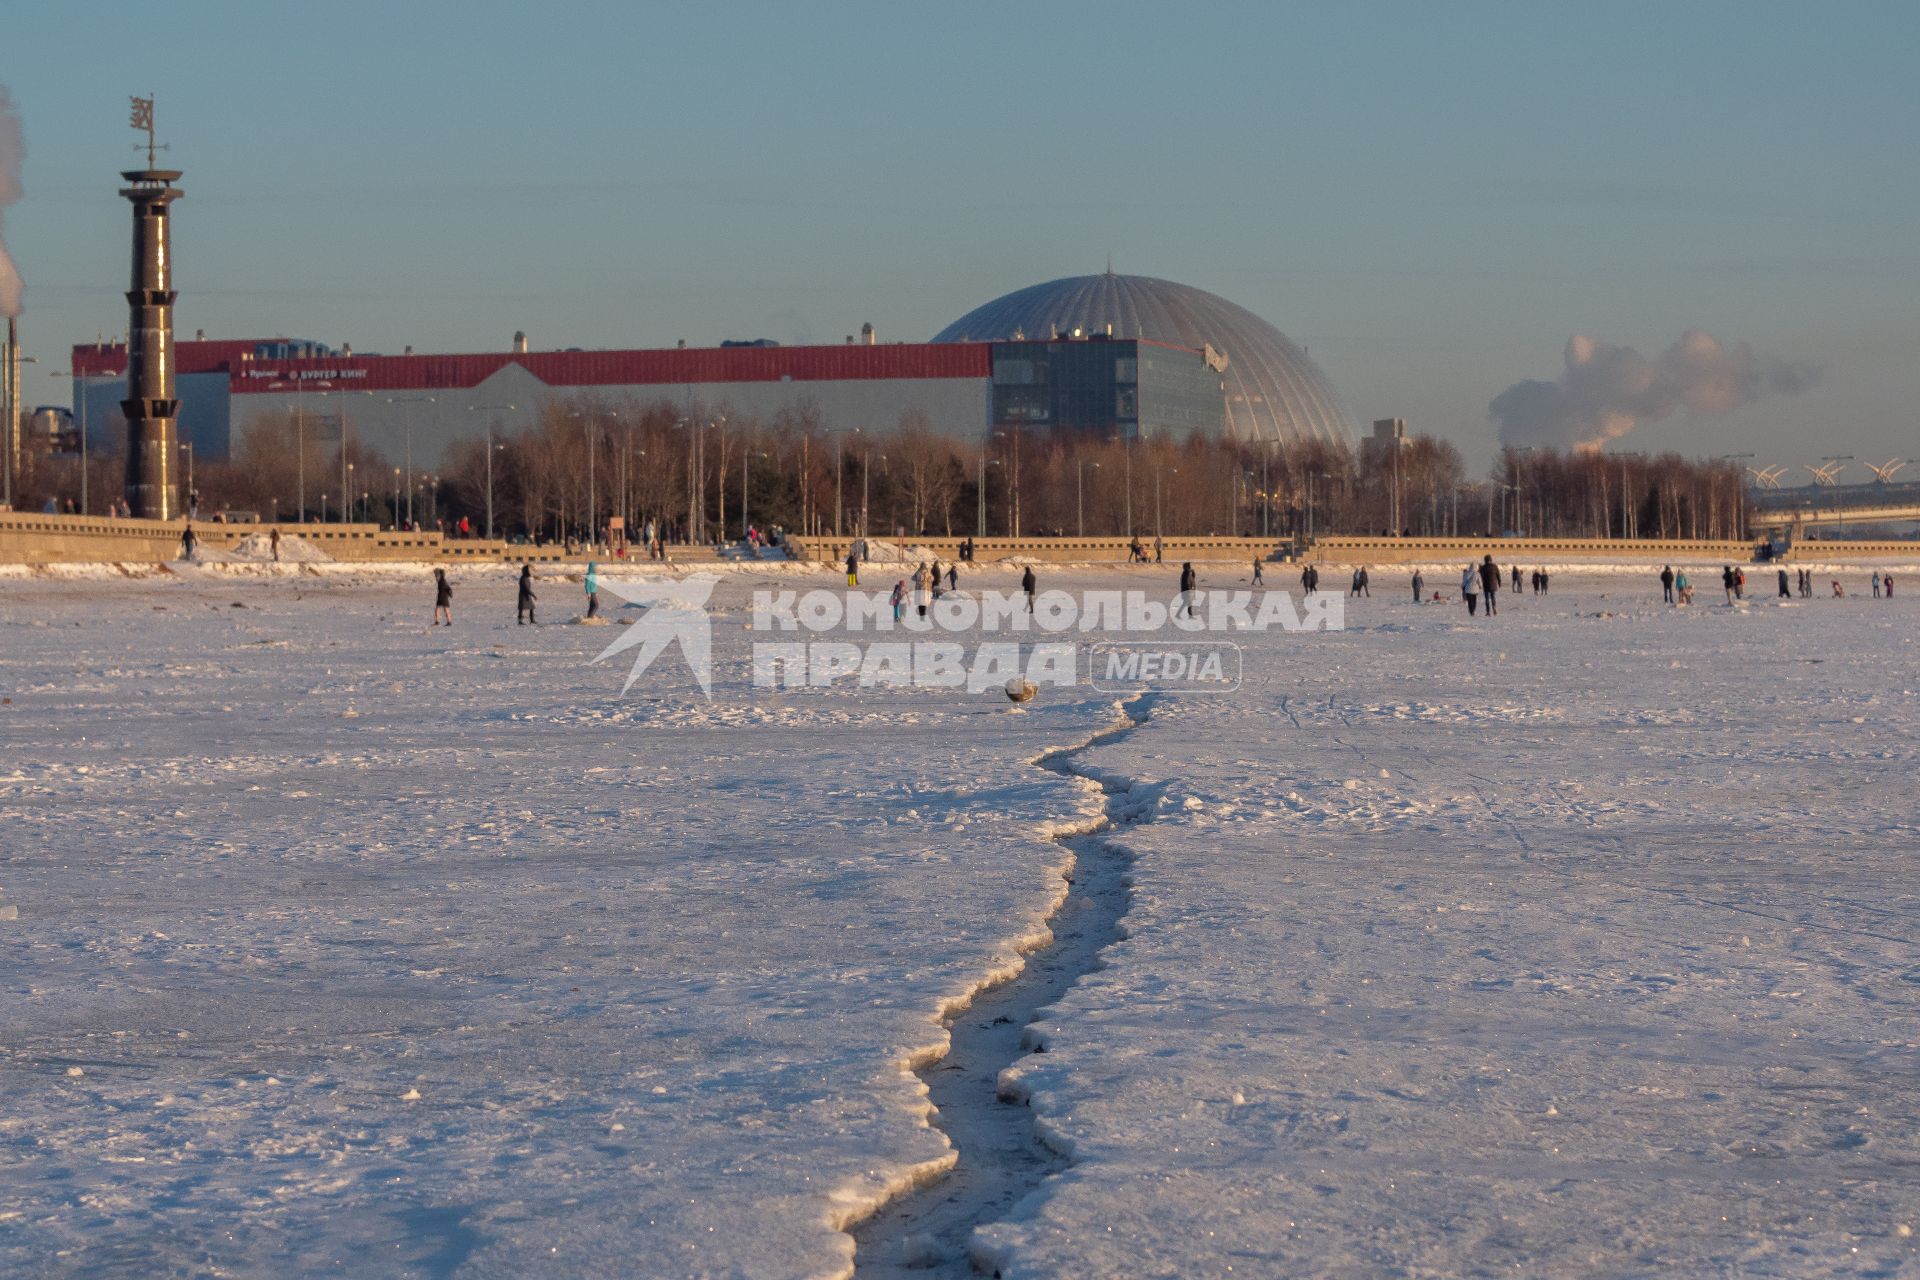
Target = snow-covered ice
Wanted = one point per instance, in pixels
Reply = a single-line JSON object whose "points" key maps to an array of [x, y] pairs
{"points": [[1552, 944], [1581, 940]]}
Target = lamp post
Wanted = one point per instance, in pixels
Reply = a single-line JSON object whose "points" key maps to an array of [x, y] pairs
{"points": [[593, 496], [985, 462], [980, 492], [866, 490], [1158, 528], [719, 425], [1013, 480], [80, 399], [694, 495], [406, 424], [840, 475], [1013, 484], [346, 468], [396, 497], [351, 467], [187, 447], [1080, 492], [746, 454], [1266, 490], [490, 408], [299, 438]]}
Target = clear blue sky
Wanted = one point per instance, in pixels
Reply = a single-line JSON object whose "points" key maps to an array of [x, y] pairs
{"points": [[1432, 197]]}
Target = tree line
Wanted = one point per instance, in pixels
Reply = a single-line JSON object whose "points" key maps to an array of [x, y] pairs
{"points": [[587, 462]]}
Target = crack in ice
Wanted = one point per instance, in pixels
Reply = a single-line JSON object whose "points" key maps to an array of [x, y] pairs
{"points": [[1001, 1158]]}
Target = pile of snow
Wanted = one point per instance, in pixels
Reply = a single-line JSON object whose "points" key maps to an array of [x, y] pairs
{"points": [[294, 549]]}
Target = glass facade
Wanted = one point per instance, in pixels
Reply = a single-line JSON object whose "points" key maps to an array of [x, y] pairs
{"points": [[1105, 386]]}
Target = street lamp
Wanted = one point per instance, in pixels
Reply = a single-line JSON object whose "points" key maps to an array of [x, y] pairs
{"points": [[406, 421], [1126, 445], [980, 492], [985, 462], [745, 455], [593, 497], [1013, 479], [839, 435], [489, 408], [346, 479], [866, 468], [299, 436], [1080, 492], [81, 397]]}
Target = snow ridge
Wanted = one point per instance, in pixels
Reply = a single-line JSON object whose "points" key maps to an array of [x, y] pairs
{"points": [[1001, 1154]]}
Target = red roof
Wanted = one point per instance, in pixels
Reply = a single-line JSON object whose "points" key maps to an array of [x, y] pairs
{"points": [[678, 366]]}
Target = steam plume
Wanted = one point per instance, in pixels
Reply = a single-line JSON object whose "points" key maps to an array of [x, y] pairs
{"points": [[13, 149], [1606, 391]]}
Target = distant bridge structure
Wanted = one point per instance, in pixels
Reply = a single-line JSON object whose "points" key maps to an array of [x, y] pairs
{"points": [[1817, 505]]}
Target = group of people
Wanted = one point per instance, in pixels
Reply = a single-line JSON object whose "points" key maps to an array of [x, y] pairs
{"points": [[525, 601], [1675, 589], [1484, 578], [928, 585], [1137, 554]]}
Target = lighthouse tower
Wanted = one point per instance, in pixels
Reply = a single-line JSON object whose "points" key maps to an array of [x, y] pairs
{"points": [[151, 406]]}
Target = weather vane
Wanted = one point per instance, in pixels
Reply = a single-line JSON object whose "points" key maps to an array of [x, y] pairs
{"points": [[142, 118]]}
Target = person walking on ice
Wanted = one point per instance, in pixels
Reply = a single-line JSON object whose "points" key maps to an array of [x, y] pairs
{"points": [[1470, 590], [1419, 586], [1258, 580], [1490, 583], [1029, 584], [527, 597], [1188, 580], [853, 569], [442, 598], [593, 589]]}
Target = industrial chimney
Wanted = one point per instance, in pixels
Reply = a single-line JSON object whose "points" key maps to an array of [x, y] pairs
{"points": [[10, 398]]}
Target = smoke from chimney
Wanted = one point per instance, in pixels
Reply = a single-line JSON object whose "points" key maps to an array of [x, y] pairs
{"points": [[13, 150], [1606, 391]]}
